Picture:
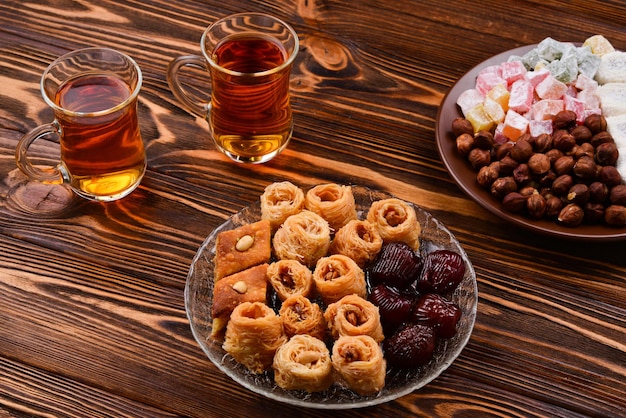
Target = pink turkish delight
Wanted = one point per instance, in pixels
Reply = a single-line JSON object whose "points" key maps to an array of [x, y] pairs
{"points": [[513, 71], [551, 88], [487, 80], [536, 77], [522, 96], [546, 109]]}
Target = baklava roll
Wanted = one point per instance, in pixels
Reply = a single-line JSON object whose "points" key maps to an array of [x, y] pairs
{"points": [[358, 240], [304, 236], [303, 363], [290, 278], [360, 363], [336, 276], [332, 202], [395, 221], [279, 201], [253, 334], [301, 316], [353, 315]]}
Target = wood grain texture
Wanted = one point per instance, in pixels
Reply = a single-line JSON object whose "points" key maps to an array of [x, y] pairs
{"points": [[92, 316]]}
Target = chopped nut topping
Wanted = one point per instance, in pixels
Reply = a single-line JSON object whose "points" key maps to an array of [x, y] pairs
{"points": [[244, 243], [240, 287]]}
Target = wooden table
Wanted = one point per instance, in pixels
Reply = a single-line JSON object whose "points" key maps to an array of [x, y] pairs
{"points": [[92, 314]]}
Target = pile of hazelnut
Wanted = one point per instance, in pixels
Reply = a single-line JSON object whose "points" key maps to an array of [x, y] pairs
{"points": [[568, 176]]}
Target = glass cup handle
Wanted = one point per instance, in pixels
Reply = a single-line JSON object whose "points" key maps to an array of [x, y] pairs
{"points": [[192, 103], [51, 175]]}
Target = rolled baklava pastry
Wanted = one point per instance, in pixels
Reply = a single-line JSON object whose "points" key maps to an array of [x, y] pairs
{"points": [[395, 221], [332, 202], [353, 315], [359, 240], [303, 363], [279, 201], [253, 334], [336, 276], [301, 316], [304, 237], [360, 363], [290, 278]]}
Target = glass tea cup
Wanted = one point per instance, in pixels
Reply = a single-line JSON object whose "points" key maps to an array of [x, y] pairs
{"points": [[93, 94], [249, 58]]}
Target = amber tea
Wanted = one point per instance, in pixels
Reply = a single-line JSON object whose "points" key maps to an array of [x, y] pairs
{"points": [[104, 154], [249, 56], [93, 93], [250, 117]]}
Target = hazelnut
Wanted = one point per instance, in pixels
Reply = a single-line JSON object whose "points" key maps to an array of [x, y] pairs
{"points": [[554, 154], [610, 176], [607, 153], [581, 134], [565, 119], [578, 193], [571, 215], [536, 206], [502, 150], [483, 140], [564, 165], [615, 215], [539, 163], [596, 123], [479, 158], [594, 213], [617, 196], [527, 191], [601, 138], [563, 141], [244, 243], [543, 143], [598, 192], [553, 207], [503, 186], [521, 174], [464, 143], [521, 151], [487, 175], [562, 184], [585, 168], [514, 202], [462, 126], [507, 165], [583, 149], [546, 179]]}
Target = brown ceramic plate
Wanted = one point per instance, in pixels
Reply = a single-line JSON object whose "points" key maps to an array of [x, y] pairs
{"points": [[465, 176]]}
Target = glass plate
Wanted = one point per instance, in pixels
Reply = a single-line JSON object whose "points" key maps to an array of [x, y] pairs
{"points": [[434, 235]]}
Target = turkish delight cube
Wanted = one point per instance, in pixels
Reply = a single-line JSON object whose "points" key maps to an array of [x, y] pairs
{"points": [[551, 88], [538, 127], [537, 76], [575, 105], [479, 119], [513, 71], [514, 125], [487, 80], [469, 99], [584, 82], [493, 110], [501, 95], [547, 109], [522, 96]]}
